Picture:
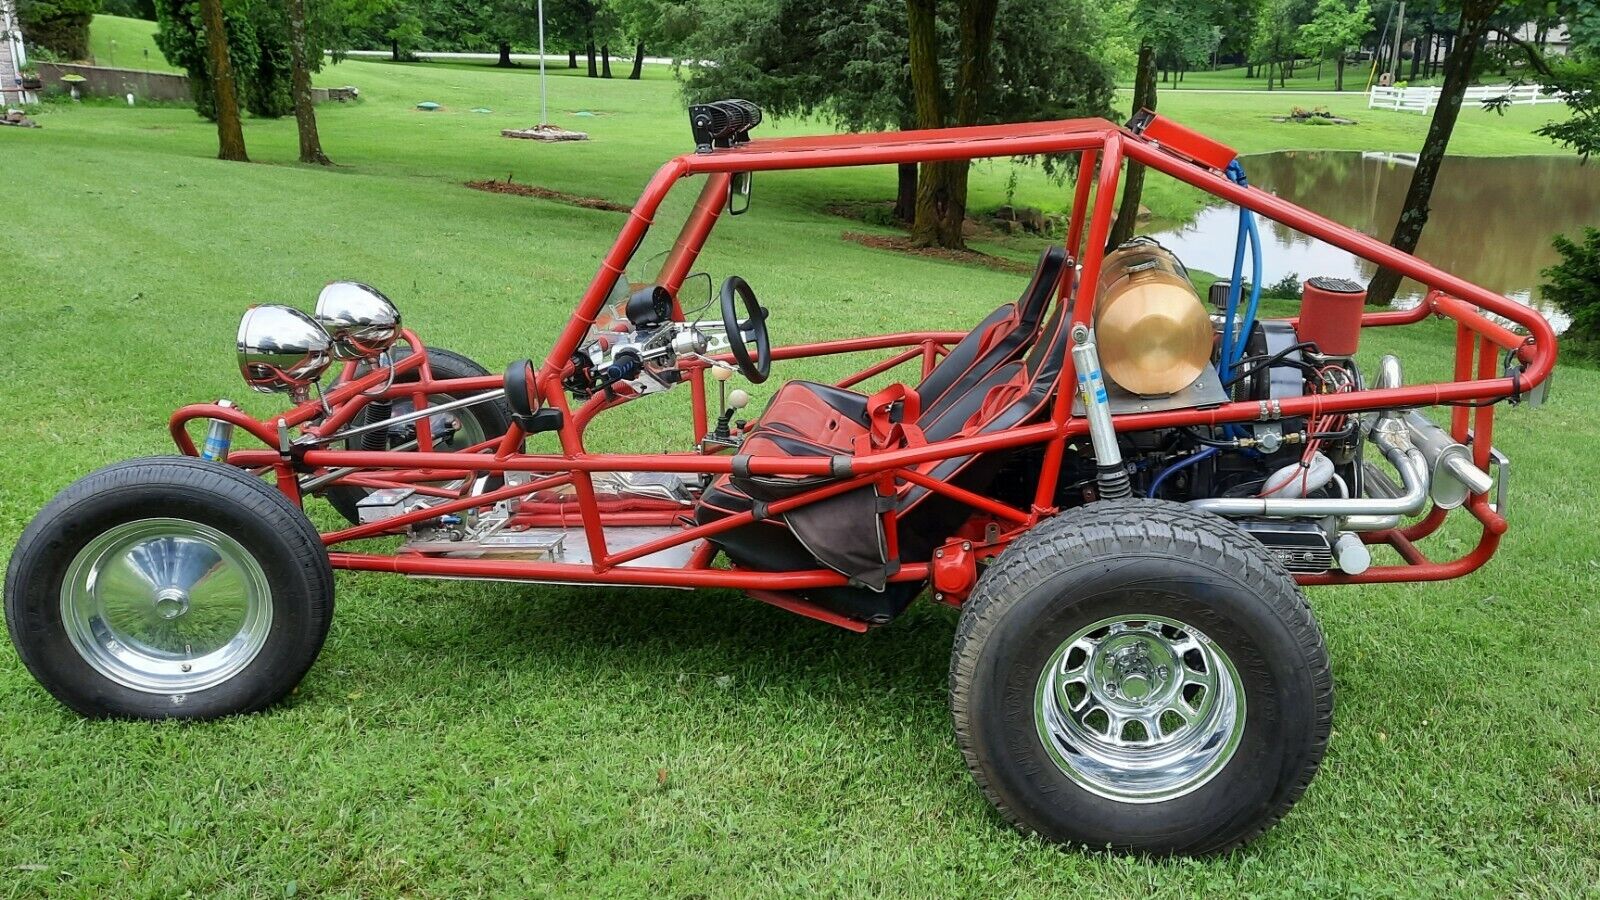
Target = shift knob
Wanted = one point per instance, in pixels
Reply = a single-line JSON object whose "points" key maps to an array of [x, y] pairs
{"points": [[721, 374], [738, 399]]}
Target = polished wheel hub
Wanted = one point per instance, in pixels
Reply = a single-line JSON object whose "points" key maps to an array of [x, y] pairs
{"points": [[1140, 708], [167, 606]]}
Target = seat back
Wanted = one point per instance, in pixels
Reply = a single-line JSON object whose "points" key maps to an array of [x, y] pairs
{"points": [[998, 338], [1012, 395]]}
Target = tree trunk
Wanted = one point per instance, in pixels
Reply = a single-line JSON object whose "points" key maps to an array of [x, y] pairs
{"points": [[394, 50], [605, 60], [927, 98], [305, 116], [572, 58], [972, 81], [1414, 214], [230, 131], [1338, 73], [594, 71], [638, 61], [905, 199], [1144, 97], [505, 55], [1416, 58]]}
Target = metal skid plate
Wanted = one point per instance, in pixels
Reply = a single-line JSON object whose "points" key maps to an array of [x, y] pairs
{"points": [[1203, 391], [561, 546]]}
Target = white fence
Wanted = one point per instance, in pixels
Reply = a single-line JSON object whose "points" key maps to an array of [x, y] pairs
{"points": [[1424, 99]]}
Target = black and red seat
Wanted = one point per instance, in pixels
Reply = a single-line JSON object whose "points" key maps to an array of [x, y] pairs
{"points": [[810, 408], [983, 385]]}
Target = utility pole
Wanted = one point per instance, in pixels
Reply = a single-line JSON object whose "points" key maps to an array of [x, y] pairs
{"points": [[1399, 32], [544, 106]]}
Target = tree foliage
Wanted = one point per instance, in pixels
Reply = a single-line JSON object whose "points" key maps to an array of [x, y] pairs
{"points": [[849, 64], [396, 25], [1335, 29], [1183, 33], [61, 27], [1575, 76], [1574, 285], [1277, 31], [838, 60], [258, 48]]}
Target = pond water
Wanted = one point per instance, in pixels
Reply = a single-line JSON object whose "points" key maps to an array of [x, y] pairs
{"points": [[1491, 220]]}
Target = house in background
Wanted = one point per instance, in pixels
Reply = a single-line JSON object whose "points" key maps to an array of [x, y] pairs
{"points": [[12, 57], [1554, 40]]}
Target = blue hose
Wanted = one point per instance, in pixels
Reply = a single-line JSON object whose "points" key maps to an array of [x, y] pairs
{"points": [[1224, 356], [1234, 339], [1255, 291], [1187, 461]]}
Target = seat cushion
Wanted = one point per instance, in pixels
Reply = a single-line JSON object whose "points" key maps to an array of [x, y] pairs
{"points": [[819, 412]]}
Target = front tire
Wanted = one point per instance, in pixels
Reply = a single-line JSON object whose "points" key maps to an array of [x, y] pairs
{"points": [[1140, 676], [169, 588]]}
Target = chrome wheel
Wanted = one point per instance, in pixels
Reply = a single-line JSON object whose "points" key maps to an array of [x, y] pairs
{"points": [[464, 429], [1140, 709], [166, 606]]}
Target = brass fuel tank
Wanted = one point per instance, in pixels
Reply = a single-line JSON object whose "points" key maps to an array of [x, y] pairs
{"points": [[1154, 334]]}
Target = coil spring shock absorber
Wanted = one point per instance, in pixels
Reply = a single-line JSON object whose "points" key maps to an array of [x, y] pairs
{"points": [[378, 410]]}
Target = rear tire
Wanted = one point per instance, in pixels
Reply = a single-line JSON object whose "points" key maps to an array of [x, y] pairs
{"points": [[1140, 676], [169, 588], [491, 420]]}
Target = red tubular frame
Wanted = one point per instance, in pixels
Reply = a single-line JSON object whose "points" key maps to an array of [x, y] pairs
{"points": [[1102, 149]]}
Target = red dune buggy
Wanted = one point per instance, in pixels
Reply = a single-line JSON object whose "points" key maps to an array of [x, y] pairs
{"points": [[1121, 484]]}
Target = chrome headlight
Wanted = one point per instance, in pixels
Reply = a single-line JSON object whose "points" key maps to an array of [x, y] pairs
{"points": [[360, 319], [282, 349]]}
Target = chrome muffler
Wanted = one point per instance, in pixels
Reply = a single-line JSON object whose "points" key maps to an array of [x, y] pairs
{"points": [[1451, 472]]}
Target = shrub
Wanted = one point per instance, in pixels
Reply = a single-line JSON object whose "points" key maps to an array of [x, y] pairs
{"points": [[1574, 285], [59, 26], [1285, 288]]}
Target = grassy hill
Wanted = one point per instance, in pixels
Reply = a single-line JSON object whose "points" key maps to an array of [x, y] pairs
{"points": [[461, 739], [126, 43]]}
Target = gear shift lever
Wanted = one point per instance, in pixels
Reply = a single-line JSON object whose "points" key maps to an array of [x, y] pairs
{"points": [[738, 399]]}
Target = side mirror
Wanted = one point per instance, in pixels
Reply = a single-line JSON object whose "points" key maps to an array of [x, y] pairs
{"points": [[739, 188]]}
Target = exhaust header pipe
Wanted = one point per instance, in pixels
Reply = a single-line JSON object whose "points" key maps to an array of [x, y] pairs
{"points": [[1396, 446]]}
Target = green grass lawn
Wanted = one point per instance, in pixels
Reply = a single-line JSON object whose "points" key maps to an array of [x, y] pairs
{"points": [[463, 739], [127, 44], [1306, 77]]}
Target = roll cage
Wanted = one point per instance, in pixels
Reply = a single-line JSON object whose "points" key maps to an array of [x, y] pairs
{"points": [[298, 453]]}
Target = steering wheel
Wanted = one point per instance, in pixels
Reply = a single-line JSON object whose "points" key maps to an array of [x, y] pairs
{"points": [[753, 329]]}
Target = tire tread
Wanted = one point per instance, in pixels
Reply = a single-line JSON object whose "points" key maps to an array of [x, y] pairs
{"points": [[247, 494], [1099, 530]]}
